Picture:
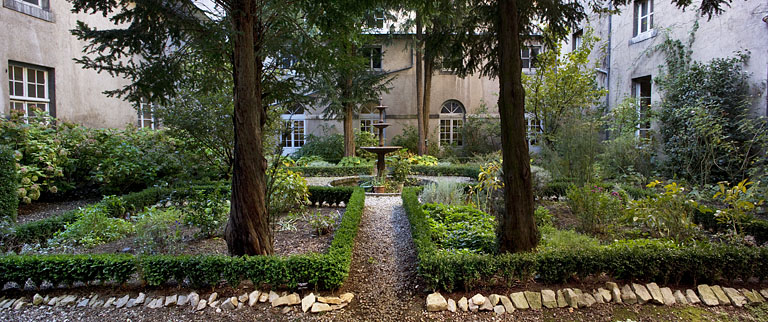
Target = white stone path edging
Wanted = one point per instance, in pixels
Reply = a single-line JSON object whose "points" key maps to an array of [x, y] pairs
{"points": [[575, 298], [311, 303]]}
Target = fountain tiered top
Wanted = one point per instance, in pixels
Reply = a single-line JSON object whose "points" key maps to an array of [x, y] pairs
{"points": [[381, 150]]}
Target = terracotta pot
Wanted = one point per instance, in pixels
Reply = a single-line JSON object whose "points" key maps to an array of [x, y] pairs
{"points": [[379, 189]]}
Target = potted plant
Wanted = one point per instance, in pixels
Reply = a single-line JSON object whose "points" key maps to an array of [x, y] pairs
{"points": [[378, 184]]}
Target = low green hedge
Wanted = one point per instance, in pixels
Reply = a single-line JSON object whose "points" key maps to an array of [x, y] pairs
{"points": [[634, 260], [334, 171], [325, 271], [331, 195], [9, 199], [448, 170]]}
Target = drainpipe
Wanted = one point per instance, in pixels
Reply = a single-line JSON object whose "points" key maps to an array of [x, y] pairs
{"points": [[608, 68]]}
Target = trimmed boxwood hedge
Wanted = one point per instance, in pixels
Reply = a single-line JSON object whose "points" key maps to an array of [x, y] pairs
{"points": [[9, 200], [448, 170], [324, 271], [633, 260], [333, 171]]}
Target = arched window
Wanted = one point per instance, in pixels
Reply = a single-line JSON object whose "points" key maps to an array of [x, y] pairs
{"points": [[451, 120]]}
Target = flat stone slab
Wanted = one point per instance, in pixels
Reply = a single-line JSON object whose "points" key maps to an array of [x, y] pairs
{"points": [[507, 303], [499, 310], [736, 298], [478, 299], [668, 296], [548, 299], [561, 303], [586, 300], [518, 299], [534, 300], [494, 298], [643, 296], [598, 297], [691, 296], [463, 304], [615, 292], [655, 291], [306, 302], [680, 298], [606, 294], [721, 297], [451, 305], [628, 296], [487, 306], [320, 307], [571, 298], [707, 295]]}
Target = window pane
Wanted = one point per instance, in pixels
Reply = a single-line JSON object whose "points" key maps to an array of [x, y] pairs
{"points": [[11, 87], [41, 91], [18, 73], [31, 90], [30, 75], [19, 89], [376, 58]]}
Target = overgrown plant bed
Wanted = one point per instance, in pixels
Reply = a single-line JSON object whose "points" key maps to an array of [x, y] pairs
{"points": [[644, 260], [325, 265]]}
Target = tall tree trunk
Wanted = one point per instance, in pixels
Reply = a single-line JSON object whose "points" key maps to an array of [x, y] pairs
{"points": [[349, 130], [517, 229], [429, 63], [247, 231], [420, 146]]}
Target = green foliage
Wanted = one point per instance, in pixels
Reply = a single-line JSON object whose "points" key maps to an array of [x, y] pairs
{"points": [[575, 150], [208, 211], [330, 146], [480, 133], [40, 154], [92, 227], [662, 261], [597, 208], [561, 87], [470, 171], [489, 181], [543, 217], [334, 171], [409, 139], [708, 132], [461, 228], [306, 160], [427, 160], [9, 200], [158, 230], [288, 191], [443, 192], [555, 239], [354, 162], [540, 178], [400, 165], [626, 155], [330, 195], [740, 205], [323, 271], [668, 214], [322, 223]]}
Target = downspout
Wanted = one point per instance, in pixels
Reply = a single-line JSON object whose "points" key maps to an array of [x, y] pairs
{"points": [[608, 68]]}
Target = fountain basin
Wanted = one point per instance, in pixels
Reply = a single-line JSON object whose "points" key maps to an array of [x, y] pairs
{"points": [[381, 149]]}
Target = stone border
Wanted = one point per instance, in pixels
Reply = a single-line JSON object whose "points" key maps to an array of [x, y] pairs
{"points": [[311, 303], [575, 298]]}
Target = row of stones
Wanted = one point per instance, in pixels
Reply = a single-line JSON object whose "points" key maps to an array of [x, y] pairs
{"points": [[310, 302], [576, 298]]}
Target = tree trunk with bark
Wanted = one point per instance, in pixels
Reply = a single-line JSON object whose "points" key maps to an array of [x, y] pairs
{"points": [[420, 146], [349, 130], [429, 65], [517, 229], [247, 231]]}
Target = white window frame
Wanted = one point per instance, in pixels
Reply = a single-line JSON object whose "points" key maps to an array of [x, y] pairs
{"points": [[452, 114], [142, 119], [379, 18], [529, 58], [534, 129], [294, 143], [38, 5], [648, 17], [642, 128], [25, 100], [370, 57]]}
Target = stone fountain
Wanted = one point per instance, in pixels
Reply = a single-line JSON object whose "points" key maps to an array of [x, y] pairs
{"points": [[381, 150]]}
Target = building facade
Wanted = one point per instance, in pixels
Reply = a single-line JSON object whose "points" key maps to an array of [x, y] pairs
{"points": [[37, 55]]}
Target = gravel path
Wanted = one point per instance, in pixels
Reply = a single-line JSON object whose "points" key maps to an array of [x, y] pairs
{"points": [[383, 274]]}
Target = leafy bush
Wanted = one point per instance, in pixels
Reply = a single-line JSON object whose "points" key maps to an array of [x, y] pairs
{"points": [[444, 192], [480, 133], [540, 177], [667, 215], [461, 228], [708, 131], [543, 217], [9, 200], [627, 155], [208, 211], [422, 160], [322, 223], [157, 230], [596, 208], [287, 191], [92, 227], [450, 170], [330, 146], [575, 151], [555, 239], [740, 205], [354, 162], [409, 139], [307, 159]]}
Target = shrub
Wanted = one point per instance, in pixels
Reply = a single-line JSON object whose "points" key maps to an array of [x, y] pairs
{"points": [[9, 200], [539, 179], [422, 160], [444, 192], [354, 162], [480, 133], [543, 217], [92, 227], [556, 239], [330, 146], [450, 170], [208, 211], [596, 208], [322, 223], [287, 191], [307, 159], [157, 230], [409, 139], [667, 215], [574, 152], [461, 228], [333, 171]]}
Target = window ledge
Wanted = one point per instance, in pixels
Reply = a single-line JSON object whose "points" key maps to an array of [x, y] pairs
{"points": [[643, 36], [28, 9]]}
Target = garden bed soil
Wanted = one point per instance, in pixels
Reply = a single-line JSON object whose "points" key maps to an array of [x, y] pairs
{"points": [[288, 242], [562, 217], [38, 210]]}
